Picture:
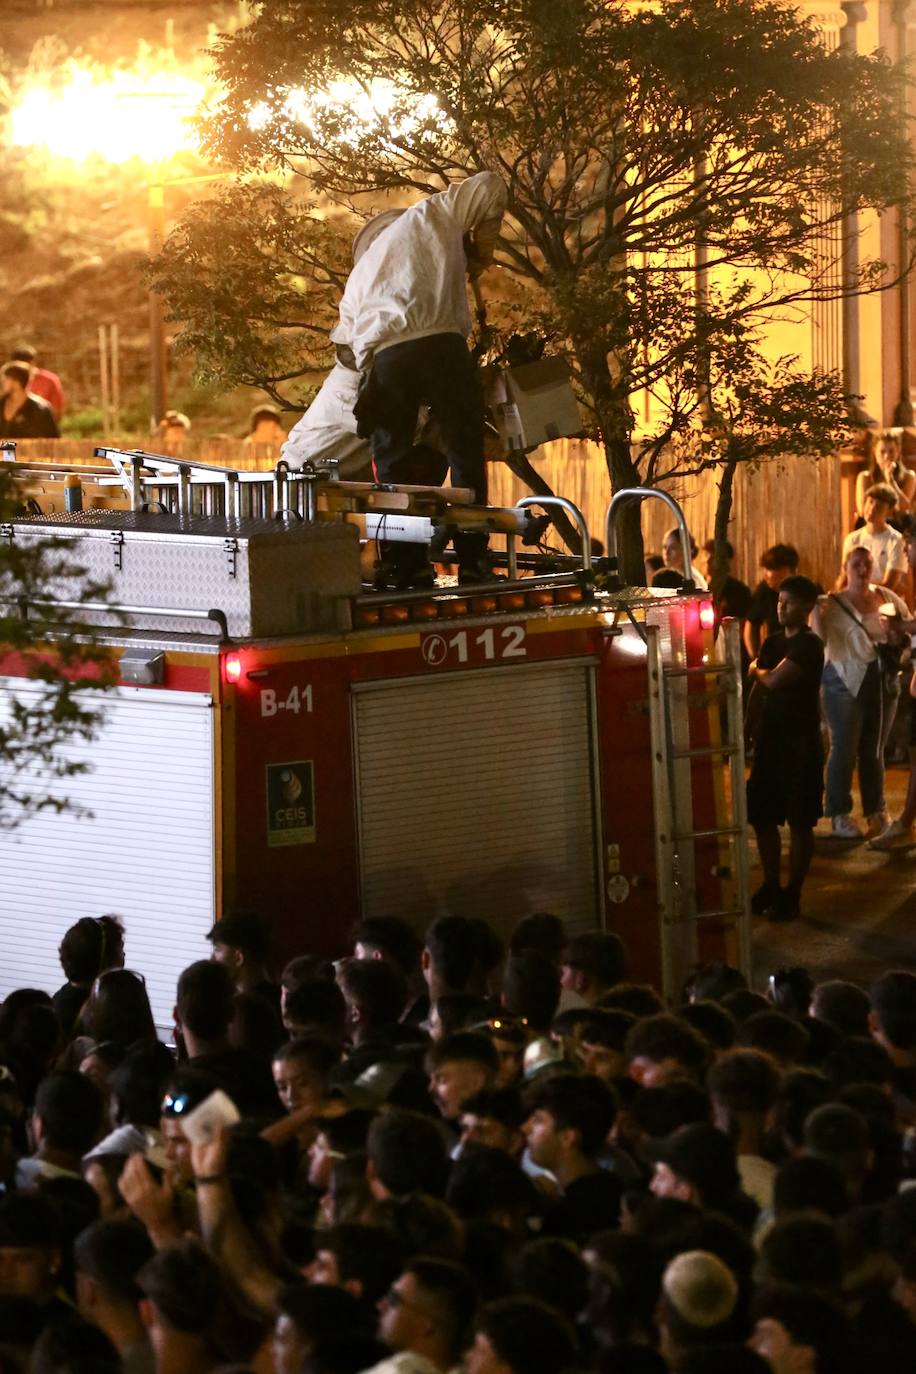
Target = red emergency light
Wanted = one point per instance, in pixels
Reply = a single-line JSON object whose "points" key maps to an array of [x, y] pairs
{"points": [[233, 667]]}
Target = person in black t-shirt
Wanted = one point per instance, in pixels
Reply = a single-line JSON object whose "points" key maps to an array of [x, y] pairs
{"points": [[571, 1118], [203, 1014], [734, 597], [777, 563], [22, 415], [786, 782]]}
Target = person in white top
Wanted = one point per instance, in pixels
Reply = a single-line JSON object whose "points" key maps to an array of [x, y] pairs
{"points": [[883, 543], [743, 1086], [859, 701], [673, 556], [884, 463], [410, 268]]}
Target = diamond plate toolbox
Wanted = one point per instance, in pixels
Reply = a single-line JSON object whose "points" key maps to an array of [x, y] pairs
{"points": [[268, 579]]}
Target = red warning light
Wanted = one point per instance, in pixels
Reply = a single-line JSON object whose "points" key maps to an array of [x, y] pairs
{"points": [[233, 667], [707, 615]]}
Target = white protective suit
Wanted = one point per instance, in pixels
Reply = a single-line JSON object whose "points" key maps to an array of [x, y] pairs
{"points": [[398, 290], [328, 429], [412, 279]]}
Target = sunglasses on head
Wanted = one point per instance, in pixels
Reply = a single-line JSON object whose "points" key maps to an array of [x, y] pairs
{"points": [[175, 1104]]}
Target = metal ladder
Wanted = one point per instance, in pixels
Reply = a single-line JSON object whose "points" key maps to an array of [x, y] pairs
{"points": [[671, 705]]}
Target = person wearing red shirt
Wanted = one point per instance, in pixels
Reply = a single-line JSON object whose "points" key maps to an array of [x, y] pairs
{"points": [[22, 415], [42, 383]]}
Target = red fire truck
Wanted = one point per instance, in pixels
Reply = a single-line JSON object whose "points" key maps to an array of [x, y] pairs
{"points": [[283, 740]]}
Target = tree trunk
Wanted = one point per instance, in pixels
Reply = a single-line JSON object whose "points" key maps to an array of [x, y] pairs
{"points": [[624, 473], [723, 516], [616, 423]]}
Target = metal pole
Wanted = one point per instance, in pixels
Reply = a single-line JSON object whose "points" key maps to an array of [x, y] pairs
{"points": [[157, 378], [512, 557], [184, 491], [310, 479], [281, 473], [855, 12], [136, 482], [903, 413], [103, 375], [734, 708], [115, 360]]}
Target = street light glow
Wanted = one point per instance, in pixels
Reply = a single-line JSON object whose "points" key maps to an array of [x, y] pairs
{"points": [[81, 112]]}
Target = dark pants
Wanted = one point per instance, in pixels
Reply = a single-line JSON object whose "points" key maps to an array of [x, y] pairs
{"points": [[437, 371]]}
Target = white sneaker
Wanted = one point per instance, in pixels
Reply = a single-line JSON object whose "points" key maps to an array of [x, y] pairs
{"points": [[894, 836], [876, 824], [845, 828]]}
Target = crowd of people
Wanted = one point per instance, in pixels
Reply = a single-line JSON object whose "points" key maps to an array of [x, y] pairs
{"points": [[437, 1154], [32, 403]]}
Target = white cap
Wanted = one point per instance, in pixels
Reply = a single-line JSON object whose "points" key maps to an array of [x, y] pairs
{"points": [[701, 1288]]}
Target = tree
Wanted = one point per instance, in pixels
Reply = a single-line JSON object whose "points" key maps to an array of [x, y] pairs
{"points": [[46, 644], [636, 143], [728, 404], [255, 275]]}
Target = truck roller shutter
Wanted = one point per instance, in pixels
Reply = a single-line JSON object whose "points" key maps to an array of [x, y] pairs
{"points": [[146, 854], [476, 796]]}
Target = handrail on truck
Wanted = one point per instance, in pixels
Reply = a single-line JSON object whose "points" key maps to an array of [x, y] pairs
{"points": [[178, 613], [641, 494], [558, 503]]}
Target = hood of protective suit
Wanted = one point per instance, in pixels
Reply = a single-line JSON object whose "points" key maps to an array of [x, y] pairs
{"points": [[370, 231]]}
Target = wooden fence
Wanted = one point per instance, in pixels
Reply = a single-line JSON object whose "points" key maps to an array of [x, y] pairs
{"points": [[797, 502]]}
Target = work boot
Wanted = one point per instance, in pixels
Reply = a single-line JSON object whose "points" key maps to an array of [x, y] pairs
{"points": [[403, 567], [473, 565], [473, 573]]}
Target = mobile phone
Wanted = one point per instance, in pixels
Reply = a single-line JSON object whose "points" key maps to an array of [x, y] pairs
{"points": [[202, 1124]]}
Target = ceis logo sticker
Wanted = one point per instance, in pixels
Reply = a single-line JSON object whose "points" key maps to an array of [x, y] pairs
{"points": [[290, 804]]}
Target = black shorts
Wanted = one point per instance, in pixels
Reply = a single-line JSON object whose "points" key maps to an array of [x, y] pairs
{"points": [[786, 786]]}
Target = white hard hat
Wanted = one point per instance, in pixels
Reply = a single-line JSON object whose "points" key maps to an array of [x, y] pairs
{"points": [[371, 230]]}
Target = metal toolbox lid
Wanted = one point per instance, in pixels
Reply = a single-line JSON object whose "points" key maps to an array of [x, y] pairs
{"points": [[148, 525]]}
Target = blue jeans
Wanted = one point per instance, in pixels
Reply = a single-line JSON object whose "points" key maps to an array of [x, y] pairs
{"points": [[858, 727]]}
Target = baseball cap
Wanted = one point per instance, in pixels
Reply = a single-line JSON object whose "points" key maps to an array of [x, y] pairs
{"points": [[389, 1081], [702, 1156]]}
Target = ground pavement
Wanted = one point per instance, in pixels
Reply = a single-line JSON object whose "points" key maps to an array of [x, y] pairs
{"points": [[859, 909]]}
